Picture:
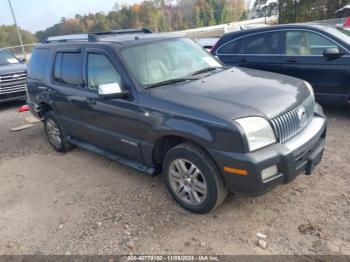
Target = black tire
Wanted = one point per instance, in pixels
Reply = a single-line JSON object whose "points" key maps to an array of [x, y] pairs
{"points": [[60, 144], [206, 200]]}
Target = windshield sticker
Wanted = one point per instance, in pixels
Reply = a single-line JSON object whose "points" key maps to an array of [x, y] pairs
{"points": [[211, 61], [12, 61]]}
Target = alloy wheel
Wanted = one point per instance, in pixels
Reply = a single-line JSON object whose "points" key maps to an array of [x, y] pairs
{"points": [[187, 181], [53, 133]]}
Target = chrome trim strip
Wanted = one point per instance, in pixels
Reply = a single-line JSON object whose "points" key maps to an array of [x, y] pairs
{"points": [[272, 178], [308, 133], [3, 80], [288, 125]]}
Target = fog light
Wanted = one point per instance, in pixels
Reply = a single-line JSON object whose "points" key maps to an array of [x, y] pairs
{"points": [[267, 173]]}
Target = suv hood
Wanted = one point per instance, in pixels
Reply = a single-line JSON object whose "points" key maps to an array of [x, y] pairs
{"points": [[238, 92], [12, 68]]}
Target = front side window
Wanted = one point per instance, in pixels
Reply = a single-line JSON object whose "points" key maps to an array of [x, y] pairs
{"points": [[68, 68], [305, 43], [101, 71], [261, 44], [166, 60]]}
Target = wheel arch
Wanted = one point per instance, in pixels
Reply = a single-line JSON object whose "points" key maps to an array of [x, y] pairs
{"points": [[43, 108], [166, 142]]}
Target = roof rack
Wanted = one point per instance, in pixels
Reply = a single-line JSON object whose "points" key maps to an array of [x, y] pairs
{"points": [[95, 37]]}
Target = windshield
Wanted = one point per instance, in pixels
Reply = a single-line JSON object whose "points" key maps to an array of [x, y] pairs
{"points": [[340, 33], [166, 60], [6, 58]]}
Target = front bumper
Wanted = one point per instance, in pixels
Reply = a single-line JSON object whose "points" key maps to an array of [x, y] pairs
{"points": [[4, 98], [299, 155]]}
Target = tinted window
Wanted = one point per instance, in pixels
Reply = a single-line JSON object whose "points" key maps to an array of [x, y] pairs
{"points": [[101, 71], [37, 63], [306, 43], [71, 68], [256, 45], [234, 47], [57, 69], [268, 43]]}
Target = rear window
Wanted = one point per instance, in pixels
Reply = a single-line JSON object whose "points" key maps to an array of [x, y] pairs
{"points": [[37, 64], [68, 68]]}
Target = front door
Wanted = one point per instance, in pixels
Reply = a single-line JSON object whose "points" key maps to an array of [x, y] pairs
{"points": [[304, 58], [112, 124]]}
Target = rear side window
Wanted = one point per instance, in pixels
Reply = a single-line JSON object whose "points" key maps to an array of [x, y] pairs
{"points": [[57, 69], [234, 47], [68, 68], [37, 64], [267, 43]]}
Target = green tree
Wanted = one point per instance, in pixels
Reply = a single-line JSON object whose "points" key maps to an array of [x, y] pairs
{"points": [[158, 15], [9, 37], [290, 11]]}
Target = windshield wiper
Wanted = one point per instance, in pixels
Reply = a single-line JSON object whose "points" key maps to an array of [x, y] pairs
{"points": [[204, 70], [171, 81]]}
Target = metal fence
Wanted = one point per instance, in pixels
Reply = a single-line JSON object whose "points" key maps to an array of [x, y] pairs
{"points": [[210, 31], [331, 22]]}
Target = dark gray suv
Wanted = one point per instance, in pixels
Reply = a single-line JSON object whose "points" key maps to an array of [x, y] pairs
{"points": [[163, 105], [12, 78]]}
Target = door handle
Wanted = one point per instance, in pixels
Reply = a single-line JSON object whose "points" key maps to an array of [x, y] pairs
{"points": [[90, 101], [292, 60]]}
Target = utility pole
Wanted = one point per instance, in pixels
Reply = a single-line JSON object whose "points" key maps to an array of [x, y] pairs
{"points": [[265, 11], [18, 31]]}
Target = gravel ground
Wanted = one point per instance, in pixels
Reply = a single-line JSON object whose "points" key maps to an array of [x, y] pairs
{"points": [[81, 203]]}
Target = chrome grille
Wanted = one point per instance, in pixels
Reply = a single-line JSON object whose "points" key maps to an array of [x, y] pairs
{"points": [[291, 123], [13, 83]]}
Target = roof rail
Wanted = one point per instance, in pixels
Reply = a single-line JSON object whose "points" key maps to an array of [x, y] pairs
{"points": [[95, 37]]}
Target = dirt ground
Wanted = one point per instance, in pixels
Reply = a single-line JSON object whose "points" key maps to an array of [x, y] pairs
{"points": [[81, 203]]}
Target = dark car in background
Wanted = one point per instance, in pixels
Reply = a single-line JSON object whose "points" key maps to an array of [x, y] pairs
{"points": [[317, 54], [163, 105], [12, 78]]}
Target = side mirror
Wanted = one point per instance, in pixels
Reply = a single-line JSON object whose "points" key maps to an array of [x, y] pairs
{"points": [[111, 90], [22, 60], [333, 52]]}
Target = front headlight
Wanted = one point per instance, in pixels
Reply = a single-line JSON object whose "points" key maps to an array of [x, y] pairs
{"points": [[309, 86], [258, 131]]}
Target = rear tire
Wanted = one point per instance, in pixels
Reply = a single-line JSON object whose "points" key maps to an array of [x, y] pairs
{"points": [[193, 179], [55, 133]]}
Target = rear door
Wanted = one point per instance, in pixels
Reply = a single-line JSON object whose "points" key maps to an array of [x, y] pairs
{"points": [[260, 51], [303, 58], [67, 90]]}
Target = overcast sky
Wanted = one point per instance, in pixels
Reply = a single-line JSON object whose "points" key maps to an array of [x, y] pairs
{"points": [[34, 15]]}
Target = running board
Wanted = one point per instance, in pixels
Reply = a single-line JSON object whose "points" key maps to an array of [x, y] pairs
{"points": [[133, 164]]}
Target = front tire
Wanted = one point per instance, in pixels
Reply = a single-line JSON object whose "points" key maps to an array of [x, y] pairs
{"points": [[55, 133], [193, 179]]}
